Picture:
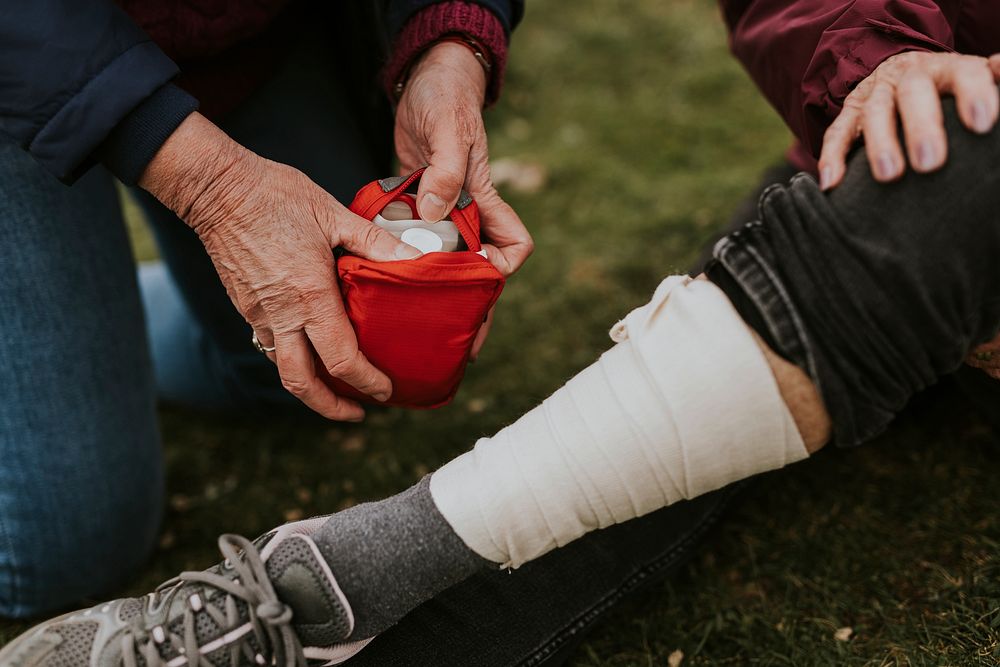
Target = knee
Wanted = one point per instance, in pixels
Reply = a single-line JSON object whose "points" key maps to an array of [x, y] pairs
{"points": [[50, 560], [951, 211], [928, 239]]}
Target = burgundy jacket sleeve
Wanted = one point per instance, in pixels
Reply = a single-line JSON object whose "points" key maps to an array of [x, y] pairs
{"points": [[807, 56]]}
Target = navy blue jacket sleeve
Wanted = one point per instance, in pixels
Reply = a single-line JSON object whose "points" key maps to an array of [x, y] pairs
{"points": [[509, 12], [72, 72]]}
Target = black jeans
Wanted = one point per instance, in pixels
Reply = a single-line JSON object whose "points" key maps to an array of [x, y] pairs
{"points": [[876, 291]]}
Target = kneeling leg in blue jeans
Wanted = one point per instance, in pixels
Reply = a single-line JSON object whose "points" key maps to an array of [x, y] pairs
{"points": [[81, 480]]}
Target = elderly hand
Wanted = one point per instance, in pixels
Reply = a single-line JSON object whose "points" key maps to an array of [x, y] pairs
{"points": [[270, 232], [439, 123], [910, 85]]}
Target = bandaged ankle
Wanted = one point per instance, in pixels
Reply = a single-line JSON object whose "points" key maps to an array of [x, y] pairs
{"points": [[685, 403]]}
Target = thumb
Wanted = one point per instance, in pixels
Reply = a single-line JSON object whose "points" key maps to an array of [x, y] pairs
{"points": [[442, 182], [366, 239]]}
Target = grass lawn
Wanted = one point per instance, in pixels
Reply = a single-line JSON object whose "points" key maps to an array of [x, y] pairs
{"points": [[646, 135]]}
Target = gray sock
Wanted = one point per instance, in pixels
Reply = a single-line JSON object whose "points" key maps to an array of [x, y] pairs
{"points": [[392, 555]]}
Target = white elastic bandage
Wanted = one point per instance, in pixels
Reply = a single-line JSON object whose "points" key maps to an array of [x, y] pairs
{"points": [[685, 403]]}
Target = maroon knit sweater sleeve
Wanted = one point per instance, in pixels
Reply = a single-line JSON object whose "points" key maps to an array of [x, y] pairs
{"points": [[430, 24]]}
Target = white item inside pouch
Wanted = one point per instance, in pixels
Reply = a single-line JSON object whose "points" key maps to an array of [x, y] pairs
{"points": [[397, 219]]}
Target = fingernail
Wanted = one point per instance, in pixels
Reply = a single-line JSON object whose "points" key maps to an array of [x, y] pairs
{"points": [[981, 122], [381, 397], [406, 251], [926, 156], [356, 420], [886, 166], [825, 178], [432, 207]]}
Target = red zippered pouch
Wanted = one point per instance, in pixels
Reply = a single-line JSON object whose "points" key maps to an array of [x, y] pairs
{"points": [[416, 319]]}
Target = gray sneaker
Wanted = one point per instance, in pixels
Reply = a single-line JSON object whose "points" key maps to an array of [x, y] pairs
{"points": [[271, 602]]}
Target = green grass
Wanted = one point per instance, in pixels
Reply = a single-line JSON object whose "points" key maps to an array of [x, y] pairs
{"points": [[648, 135]]}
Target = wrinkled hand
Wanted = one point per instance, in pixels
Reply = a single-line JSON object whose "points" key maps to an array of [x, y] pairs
{"points": [[910, 85], [439, 123], [986, 357], [270, 232]]}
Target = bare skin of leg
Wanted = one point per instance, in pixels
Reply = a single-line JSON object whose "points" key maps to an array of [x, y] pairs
{"points": [[800, 395]]}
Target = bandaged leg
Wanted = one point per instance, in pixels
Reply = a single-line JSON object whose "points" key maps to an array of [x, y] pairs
{"points": [[867, 294], [685, 403]]}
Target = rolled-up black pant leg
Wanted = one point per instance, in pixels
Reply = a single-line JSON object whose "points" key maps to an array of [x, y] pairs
{"points": [[875, 290]]}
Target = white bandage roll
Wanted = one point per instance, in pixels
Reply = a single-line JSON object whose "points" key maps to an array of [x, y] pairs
{"points": [[685, 403]]}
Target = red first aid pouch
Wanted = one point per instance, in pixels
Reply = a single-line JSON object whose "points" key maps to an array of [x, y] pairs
{"points": [[416, 319]]}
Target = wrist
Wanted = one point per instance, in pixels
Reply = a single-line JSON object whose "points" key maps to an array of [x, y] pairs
{"points": [[462, 20], [196, 161], [133, 142], [457, 59], [449, 48]]}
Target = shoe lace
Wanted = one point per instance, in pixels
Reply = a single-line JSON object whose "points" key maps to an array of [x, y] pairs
{"points": [[269, 620]]}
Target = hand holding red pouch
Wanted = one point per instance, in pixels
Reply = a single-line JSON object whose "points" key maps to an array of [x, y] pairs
{"points": [[416, 319]]}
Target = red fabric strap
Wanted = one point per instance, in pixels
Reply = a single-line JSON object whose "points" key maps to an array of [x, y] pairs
{"points": [[448, 18], [371, 199]]}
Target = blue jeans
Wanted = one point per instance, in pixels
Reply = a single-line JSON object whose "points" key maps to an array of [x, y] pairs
{"points": [[81, 480], [81, 471]]}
